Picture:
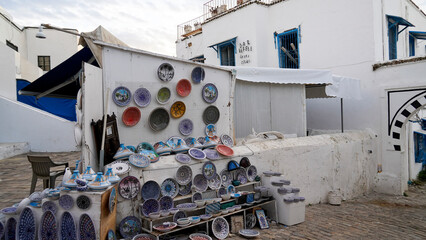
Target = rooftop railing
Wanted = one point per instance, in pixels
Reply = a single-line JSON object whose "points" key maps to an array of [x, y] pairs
{"points": [[211, 9]]}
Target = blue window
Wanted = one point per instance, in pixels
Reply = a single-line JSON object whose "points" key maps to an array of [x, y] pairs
{"points": [[226, 52], [413, 36], [288, 49], [419, 147], [393, 31]]}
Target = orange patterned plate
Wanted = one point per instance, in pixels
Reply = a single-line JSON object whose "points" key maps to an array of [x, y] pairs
{"points": [[178, 109]]}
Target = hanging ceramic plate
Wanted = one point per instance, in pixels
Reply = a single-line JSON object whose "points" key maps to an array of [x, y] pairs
{"points": [[165, 72], [245, 162], [211, 154], [178, 109], [210, 130], [26, 228], [211, 115], [166, 203], [241, 176], [200, 183], [163, 95], [170, 188], [208, 170], [197, 196], [131, 116], [121, 96], [49, 206], [150, 206], [129, 187], [225, 150], [222, 191], [220, 228], [184, 175], [198, 75], [159, 119], [112, 200], [178, 215], [250, 221], [183, 158], [185, 189], [67, 227], [196, 153], [183, 87], [142, 97], [83, 202], [111, 235], [66, 202], [150, 190], [226, 178], [185, 127], [210, 93], [10, 233], [226, 140], [139, 160], [251, 173], [130, 226], [119, 167], [86, 228], [48, 230], [215, 182]]}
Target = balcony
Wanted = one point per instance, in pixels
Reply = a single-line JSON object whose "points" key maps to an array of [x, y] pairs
{"points": [[212, 9]]}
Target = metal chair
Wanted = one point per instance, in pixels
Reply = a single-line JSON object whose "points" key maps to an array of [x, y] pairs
{"points": [[41, 169]]}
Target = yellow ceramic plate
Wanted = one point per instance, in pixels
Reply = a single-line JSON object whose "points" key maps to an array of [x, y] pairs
{"points": [[178, 109]]}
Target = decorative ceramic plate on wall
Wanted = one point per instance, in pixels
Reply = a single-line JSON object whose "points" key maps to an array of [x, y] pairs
{"points": [[130, 226], [10, 232], [163, 95], [26, 228], [198, 74], [68, 230], [211, 115], [183, 87], [226, 140], [166, 203], [184, 175], [211, 154], [165, 72], [142, 97], [251, 173], [185, 189], [86, 228], [121, 96], [150, 206], [178, 109], [119, 167], [183, 158], [83, 202], [208, 170], [159, 119], [49, 206], [131, 116], [196, 153], [210, 130], [129, 187], [112, 199], [200, 183], [226, 178], [66, 202], [48, 229], [210, 93], [111, 235], [150, 190], [185, 127], [170, 188], [140, 161], [215, 182]]}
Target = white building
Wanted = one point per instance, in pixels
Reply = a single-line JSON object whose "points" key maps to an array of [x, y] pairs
{"points": [[359, 39], [23, 56]]}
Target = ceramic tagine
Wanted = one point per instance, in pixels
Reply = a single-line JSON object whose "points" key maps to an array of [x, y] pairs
{"points": [[99, 183], [71, 182], [122, 153], [111, 176], [89, 174]]}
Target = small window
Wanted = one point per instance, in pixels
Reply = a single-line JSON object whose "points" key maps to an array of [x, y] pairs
{"points": [[412, 45], [44, 62], [419, 147], [227, 54], [199, 59], [393, 39], [11, 45], [288, 52]]}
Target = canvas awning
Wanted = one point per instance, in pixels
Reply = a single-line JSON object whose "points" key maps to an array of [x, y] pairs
{"points": [[61, 81], [418, 35], [318, 83]]}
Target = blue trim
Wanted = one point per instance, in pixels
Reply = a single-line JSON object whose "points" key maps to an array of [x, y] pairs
{"points": [[281, 53], [419, 147], [418, 35], [395, 20], [412, 45], [393, 26], [217, 46]]}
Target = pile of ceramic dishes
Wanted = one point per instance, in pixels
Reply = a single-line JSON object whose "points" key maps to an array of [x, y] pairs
{"points": [[82, 182]]}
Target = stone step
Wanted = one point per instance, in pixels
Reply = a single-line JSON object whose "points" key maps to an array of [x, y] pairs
{"points": [[8, 150]]}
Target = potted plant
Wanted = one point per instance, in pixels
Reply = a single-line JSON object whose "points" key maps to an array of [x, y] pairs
{"points": [[214, 11], [197, 25], [187, 28]]}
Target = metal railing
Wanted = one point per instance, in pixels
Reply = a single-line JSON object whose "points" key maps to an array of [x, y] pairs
{"points": [[211, 9]]}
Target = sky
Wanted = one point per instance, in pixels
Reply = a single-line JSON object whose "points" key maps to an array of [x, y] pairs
{"points": [[145, 24]]}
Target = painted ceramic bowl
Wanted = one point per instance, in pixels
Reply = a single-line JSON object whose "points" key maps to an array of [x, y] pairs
{"points": [[199, 236], [131, 116], [178, 109], [183, 87], [224, 150], [198, 74], [165, 72], [163, 95], [159, 119], [142, 97], [154, 215], [121, 96], [165, 226]]}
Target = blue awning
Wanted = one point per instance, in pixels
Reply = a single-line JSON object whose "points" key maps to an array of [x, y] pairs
{"points": [[418, 35], [218, 45], [61, 81], [395, 20]]}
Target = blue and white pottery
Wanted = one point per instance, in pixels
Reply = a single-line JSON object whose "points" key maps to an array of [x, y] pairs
{"points": [[193, 143], [185, 127], [111, 176], [211, 154], [220, 228], [10, 232], [178, 215], [83, 202], [36, 196], [26, 229], [49, 206], [89, 174], [139, 160], [197, 196], [150, 190], [99, 183], [162, 148], [227, 140], [142, 97], [130, 226], [215, 182], [196, 153], [186, 206], [86, 228], [166, 203], [208, 170], [150, 154], [180, 147], [121, 96], [170, 188], [9, 211], [185, 189], [111, 235], [122, 153], [197, 75], [112, 200], [66, 202], [184, 175], [129, 187], [71, 183], [200, 183], [150, 206], [48, 229], [209, 143], [249, 233], [251, 173], [210, 130], [119, 167], [210, 93], [182, 158]]}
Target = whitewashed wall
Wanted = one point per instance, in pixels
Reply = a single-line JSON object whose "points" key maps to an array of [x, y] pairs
{"points": [[134, 70], [43, 131], [267, 107], [191, 47], [8, 71]]}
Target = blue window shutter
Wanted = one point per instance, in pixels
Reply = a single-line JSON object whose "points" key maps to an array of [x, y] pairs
{"points": [[412, 45], [285, 40]]}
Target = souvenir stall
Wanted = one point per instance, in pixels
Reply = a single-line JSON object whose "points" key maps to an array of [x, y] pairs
{"points": [[176, 170]]}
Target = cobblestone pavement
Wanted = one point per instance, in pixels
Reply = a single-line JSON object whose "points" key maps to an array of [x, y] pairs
{"points": [[374, 216]]}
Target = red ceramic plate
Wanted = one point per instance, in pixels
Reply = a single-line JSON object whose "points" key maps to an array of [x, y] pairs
{"points": [[224, 150], [183, 87], [131, 116]]}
